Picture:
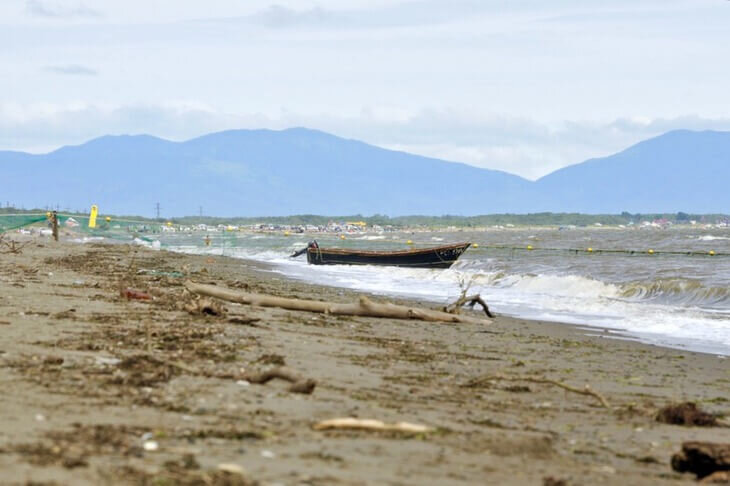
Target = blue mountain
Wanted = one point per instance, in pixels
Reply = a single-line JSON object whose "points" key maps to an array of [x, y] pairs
{"points": [[296, 171], [681, 170], [254, 173]]}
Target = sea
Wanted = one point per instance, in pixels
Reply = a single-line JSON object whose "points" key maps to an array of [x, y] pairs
{"points": [[677, 300]]}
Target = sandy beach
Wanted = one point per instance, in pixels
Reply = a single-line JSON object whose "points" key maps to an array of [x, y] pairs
{"points": [[101, 389]]}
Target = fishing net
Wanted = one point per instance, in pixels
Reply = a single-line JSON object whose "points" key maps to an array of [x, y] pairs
{"points": [[10, 222], [110, 228]]}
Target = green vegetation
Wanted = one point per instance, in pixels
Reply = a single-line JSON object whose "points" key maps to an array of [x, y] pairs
{"points": [[532, 219]]}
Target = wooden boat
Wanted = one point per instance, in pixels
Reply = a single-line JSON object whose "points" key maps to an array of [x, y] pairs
{"points": [[435, 257]]}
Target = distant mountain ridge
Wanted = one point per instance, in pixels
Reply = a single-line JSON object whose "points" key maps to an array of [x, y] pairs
{"points": [[298, 170]]}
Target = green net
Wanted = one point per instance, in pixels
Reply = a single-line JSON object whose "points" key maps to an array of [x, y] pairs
{"points": [[10, 222], [110, 228]]}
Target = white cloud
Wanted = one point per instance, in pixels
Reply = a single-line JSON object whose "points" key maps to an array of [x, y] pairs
{"points": [[58, 10], [71, 70]]}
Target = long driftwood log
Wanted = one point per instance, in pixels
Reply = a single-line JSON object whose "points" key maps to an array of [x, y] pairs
{"points": [[364, 307]]}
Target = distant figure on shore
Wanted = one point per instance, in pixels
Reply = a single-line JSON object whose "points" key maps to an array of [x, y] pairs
{"points": [[207, 240]]}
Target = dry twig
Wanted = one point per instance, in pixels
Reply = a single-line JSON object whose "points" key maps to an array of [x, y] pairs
{"points": [[351, 423], [547, 381]]}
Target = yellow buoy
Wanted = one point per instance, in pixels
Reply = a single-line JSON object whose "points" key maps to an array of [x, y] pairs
{"points": [[590, 250], [409, 242], [107, 219], [286, 233], [651, 252], [529, 247], [475, 245], [712, 252], [342, 237], [92, 216], [169, 223], [48, 214]]}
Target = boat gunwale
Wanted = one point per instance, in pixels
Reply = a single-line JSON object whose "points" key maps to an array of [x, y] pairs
{"points": [[416, 251]]}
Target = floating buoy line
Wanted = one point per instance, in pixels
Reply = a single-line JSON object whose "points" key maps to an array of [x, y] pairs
{"points": [[598, 251]]}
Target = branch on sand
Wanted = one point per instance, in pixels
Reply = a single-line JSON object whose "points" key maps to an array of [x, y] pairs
{"points": [[587, 390], [350, 423], [12, 246], [364, 307], [298, 383], [471, 300], [465, 284]]}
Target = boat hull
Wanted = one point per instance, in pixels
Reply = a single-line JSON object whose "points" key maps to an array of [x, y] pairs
{"points": [[437, 257]]}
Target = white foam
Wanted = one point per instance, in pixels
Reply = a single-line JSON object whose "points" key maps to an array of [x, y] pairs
{"points": [[563, 298], [712, 238]]}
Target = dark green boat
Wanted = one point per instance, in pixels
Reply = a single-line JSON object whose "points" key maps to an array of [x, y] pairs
{"points": [[435, 257]]}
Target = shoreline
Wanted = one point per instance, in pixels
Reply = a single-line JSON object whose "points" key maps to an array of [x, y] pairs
{"points": [[617, 332], [90, 378]]}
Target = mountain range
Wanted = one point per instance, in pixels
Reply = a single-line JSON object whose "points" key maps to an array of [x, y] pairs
{"points": [[303, 171]]}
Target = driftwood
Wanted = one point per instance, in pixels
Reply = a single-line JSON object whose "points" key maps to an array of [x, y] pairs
{"points": [[705, 459], [12, 246], [350, 423], [205, 307], [298, 384], [364, 307], [471, 300], [547, 381], [687, 413]]}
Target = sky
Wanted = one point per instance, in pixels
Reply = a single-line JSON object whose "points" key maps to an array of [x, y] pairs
{"points": [[523, 86]]}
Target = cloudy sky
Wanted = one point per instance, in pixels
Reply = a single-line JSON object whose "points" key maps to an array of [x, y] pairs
{"points": [[525, 86]]}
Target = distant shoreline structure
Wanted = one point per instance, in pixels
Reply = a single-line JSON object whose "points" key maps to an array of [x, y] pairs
{"points": [[547, 219]]}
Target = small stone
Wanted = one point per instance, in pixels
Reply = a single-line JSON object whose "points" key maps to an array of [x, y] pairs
{"points": [[150, 445], [267, 454], [231, 469]]}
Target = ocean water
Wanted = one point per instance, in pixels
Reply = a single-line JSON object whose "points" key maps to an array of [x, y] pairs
{"points": [[678, 301]]}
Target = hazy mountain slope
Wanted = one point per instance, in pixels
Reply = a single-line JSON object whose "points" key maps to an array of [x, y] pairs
{"points": [[295, 171], [678, 171], [257, 172]]}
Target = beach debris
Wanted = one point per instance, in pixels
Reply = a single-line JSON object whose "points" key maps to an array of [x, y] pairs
{"points": [[686, 413], [364, 307], [160, 273], [587, 390], [12, 246], [471, 301], [150, 445], [243, 320], [704, 459], [131, 294], [231, 469], [205, 306], [464, 299], [352, 423], [552, 481], [298, 383]]}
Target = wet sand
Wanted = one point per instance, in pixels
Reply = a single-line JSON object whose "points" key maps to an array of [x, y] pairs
{"points": [[99, 389]]}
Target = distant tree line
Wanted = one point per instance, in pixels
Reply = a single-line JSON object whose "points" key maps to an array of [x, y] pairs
{"points": [[531, 219]]}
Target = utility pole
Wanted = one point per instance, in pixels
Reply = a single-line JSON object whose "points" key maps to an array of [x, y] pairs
{"points": [[157, 208], [201, 211]]}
